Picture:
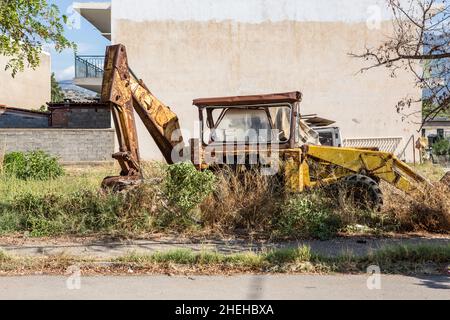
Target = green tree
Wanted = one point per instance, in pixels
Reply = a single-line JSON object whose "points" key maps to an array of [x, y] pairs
{"points": [[57, 93], [25, 27]]}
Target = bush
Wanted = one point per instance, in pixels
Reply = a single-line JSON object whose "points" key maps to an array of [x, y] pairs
{"points": [[35, 165], [442, 147], [185, 187], [308, 215]]}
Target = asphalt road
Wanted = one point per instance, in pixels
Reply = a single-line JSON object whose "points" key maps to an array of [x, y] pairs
{"points": [[282, 287]]}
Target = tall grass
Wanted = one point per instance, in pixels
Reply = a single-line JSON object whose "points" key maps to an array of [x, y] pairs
{"points": [[427, 209], [2, 158], [246, 203], [74, 204], [247, 200]]}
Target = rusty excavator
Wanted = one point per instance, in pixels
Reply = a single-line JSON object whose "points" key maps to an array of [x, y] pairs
{"points": [[301, 161]]}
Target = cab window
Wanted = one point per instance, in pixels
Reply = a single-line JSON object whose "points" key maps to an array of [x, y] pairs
{"points": [[259, 124]]}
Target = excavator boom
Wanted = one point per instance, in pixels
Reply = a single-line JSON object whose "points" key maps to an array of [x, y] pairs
{"points": [[126, 93]]}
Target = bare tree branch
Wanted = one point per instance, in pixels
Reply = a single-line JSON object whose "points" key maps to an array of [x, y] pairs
{"points": [[421, 36]]}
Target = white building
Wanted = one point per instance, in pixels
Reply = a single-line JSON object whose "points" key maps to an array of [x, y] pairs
{"points": [[30, 89], [186, 49]]}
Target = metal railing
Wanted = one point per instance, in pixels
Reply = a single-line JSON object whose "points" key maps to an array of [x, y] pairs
{"points": [[89, 66]]}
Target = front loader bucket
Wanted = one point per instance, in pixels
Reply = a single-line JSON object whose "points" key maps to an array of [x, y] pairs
{"points": [[381, 165]]}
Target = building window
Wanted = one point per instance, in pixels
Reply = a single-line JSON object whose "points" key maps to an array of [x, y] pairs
{"points": [[440, 133]]}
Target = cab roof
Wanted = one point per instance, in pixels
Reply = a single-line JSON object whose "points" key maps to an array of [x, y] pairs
{"points": [[288, 97]]}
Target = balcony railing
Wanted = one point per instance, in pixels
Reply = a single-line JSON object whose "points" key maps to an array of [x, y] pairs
{"points": [[89, 66]]}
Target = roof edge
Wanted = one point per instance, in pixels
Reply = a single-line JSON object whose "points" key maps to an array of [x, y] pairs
{"points": [[78, 6]]}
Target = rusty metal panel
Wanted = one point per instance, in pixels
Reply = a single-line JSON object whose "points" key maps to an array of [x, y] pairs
{"points": [[288, 97]]}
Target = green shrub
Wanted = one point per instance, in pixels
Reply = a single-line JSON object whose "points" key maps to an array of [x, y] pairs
{"points": [[442, 147], [308, 215], [185, 187], [34, 165]]}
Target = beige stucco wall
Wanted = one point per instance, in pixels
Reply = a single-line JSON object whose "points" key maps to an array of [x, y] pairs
{"points": [[30, 89], [180, 60]]}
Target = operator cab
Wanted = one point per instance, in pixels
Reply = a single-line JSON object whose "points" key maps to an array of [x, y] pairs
{"points": [[262, 119]]}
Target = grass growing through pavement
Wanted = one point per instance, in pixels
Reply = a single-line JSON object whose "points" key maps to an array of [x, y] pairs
{"points": [[395, 259], [279, 257]]}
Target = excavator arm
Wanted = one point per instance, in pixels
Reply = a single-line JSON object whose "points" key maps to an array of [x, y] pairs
{"points": [[126, 94]]}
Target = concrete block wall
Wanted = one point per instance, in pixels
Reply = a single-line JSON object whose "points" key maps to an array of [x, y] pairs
{"points": [[81, 118], [90, 118], [15, 120], [70, 145]]}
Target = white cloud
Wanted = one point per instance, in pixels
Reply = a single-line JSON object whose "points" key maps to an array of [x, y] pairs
{"points": [[65, 74]]}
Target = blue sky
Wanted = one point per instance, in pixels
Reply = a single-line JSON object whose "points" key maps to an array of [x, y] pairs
{"points": [[88, 39]]}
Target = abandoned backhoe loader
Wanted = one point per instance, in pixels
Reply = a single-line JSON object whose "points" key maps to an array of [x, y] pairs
{"points": [[282, 137]]}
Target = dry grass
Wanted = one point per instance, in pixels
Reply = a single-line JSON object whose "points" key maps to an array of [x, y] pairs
{"points": [[423, 210], [246, 200], [433, 172]]}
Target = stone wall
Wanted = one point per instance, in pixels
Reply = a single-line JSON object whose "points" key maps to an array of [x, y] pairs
{"points": [[70, 145]]}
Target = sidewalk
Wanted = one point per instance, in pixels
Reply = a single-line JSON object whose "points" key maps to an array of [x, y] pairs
{"points": [[98, 248]]}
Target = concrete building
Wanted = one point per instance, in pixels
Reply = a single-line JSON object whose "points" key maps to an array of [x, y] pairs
{"points": [[186, 49], [436, 129], [30, 89]]}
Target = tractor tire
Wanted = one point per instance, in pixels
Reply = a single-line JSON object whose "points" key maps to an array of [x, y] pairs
{"points": [[362, 192]]}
